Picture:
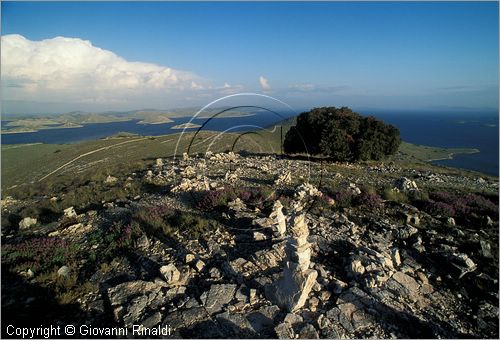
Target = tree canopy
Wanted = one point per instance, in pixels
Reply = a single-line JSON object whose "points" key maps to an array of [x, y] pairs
{"points": [[341, 134]]}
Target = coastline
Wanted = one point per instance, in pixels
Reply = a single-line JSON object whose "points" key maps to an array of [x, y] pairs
{"points": [[64, 126], [451, 154], [185, 126]]}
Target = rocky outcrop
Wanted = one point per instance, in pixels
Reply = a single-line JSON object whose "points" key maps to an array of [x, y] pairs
{"points": [[304, 269]]}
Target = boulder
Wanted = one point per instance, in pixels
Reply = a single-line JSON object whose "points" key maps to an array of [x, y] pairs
{"points": [[237, 205], [64, 271], [405, 185], [27, 222], [235, 325], [170, 273], [189, 258], [395, 257], [199, 265], [463, 264], [485, 249], [409, 284], [217, 297], [284, 331], [308, 332], [357, 268], [110, 179], [122, 293], [70, 213]]}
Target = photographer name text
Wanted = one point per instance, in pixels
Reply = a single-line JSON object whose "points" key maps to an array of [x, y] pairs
{"points": [[47, 332]]}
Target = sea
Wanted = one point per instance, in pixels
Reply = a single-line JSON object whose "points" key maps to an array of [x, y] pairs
{"points": [[477, 130]]}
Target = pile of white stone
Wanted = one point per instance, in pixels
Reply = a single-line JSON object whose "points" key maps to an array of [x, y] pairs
{"points": [[290, 292], [188, 184], [222, 157]]}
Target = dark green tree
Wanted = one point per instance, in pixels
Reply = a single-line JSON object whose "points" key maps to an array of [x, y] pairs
{"points": [[341, 134]]}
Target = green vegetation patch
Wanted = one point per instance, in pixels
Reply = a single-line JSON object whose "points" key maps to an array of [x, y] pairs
{"points": [[429, 153]]}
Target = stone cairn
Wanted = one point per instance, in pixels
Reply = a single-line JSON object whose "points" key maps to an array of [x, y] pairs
{"points": [[279, 219], [290, 292]]}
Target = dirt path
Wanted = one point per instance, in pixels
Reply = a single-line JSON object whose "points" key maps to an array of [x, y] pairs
{"points": [[89, 153]]}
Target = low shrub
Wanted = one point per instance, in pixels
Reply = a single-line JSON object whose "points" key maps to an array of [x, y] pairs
{"points": [[418, 196], [163, 221], [41, 254], [113, 240], [218, 199], [153, 219], [461, 205], [395, 195], [261, 197], [439, 208], [215, 199], [344, 198], [191, 224], [369, 199], [322, 203]]}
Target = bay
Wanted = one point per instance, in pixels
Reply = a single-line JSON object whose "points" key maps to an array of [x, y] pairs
{"points": [[477, 130]]}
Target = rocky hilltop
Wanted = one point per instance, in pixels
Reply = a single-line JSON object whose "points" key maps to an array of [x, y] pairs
{"points": [[241, 246]]}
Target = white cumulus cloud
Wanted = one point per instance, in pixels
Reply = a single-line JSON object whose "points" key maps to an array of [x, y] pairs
{"points": [[63, 69], [264, 83]]}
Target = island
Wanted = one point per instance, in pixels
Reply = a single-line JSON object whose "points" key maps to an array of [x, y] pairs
{"points": [[186, 126], [430, 153]]}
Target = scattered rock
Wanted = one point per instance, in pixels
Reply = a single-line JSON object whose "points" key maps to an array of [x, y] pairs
{"points": [[199, 265], [171, 274], [405, 185], [70, 213], [396, 258], [413, 219], [189, 258], [27, 222], [64, 271], [284, 178], [486, 249], [463, 264], [308, 332], [284, 331], [218, 296], [357, 267], [110, 179]]}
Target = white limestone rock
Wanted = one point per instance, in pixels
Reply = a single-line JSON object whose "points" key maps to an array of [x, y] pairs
{"points": [[279, 218], [27, 222], [291, 291], [70, 212], [170, 273]]}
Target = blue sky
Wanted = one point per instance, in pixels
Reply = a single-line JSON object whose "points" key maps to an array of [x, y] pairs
{"points": [[371, 55]]}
